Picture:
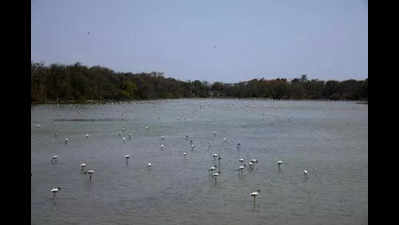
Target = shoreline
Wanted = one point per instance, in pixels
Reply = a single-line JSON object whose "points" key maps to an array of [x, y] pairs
{"points": [[88, 102]]}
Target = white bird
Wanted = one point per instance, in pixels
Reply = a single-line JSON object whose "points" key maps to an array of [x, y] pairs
{"points": [[90, 172], [254, 160], [212, 168], [214, 155], [255, 194], [146, 127], [241, 168], [87, 135], [192, 147], [82, 166], [124, 139], [279, 163], [215, 175], [127, 156], [241, 160], [54, 158], [225, 139], [66, 140], [250, 164], [305, 172], [162, 147], [54, 190], [184, 153], [149, 164]]}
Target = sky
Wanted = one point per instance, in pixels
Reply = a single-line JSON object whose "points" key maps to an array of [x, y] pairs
{"points": [[207, 40]]}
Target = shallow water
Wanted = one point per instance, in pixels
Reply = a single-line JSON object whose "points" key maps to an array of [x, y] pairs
{"points": [[329, 139]]}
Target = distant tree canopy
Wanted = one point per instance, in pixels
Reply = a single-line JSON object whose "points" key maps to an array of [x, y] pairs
{"points": [[79, 83]]}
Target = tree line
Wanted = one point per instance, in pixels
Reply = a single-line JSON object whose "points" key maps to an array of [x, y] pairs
{"points": [[78, 83]]}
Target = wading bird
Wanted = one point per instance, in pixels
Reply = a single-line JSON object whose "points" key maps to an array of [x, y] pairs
{"points": [[215, 175], [127, 158], [54, 158], [90, 172], [214, 155], [54, 190], [82, 166], [255, 194]]}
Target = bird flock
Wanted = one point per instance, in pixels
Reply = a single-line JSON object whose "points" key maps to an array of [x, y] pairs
{"points": [[214, 170]]}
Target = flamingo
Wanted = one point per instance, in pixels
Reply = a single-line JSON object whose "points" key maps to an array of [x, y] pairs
{"points": [[215, 175], [212, 168], [54, 159], [214, 155], [54, 190], [82, 166], [241, 168], [255, 194], [90, 172], [127, 156], [251, 165], [254, 161]]}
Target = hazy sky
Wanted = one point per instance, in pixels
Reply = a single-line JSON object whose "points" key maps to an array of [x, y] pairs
{"points": [[213, 40]]}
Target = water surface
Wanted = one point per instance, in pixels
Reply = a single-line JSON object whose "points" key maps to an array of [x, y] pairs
{"points": [[329, 139]]}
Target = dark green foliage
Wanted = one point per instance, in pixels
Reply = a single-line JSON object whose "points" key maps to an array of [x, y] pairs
{"points": [[78, 83]]}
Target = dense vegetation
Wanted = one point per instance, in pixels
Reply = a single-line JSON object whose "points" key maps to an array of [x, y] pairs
{"points": [[79, 83]]}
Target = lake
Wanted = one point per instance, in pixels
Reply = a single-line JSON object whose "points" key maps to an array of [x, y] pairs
{"points": [[327, 138]]}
